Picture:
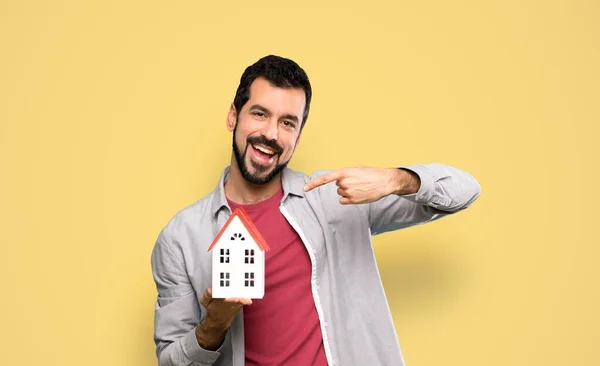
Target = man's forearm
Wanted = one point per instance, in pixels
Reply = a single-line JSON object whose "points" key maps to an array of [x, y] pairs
{"points": [[406, 182], [210, 336]]}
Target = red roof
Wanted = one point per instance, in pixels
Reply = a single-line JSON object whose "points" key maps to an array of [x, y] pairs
{"points": [[260, 241]]}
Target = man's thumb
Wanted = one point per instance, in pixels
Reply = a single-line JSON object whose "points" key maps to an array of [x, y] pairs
{"points": [[206, 297]]}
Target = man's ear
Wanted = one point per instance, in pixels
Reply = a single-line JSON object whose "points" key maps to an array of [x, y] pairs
{"points": [[231, 118]]}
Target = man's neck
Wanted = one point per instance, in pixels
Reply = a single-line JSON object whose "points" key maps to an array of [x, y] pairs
{"points": [[239, 190]]}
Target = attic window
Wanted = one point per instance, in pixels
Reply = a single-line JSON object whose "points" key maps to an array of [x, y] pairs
{"points": [[224, 256], [237, 236], [249, 279], [249, 256], [224, 279]]}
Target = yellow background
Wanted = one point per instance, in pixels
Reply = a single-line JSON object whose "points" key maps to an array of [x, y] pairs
{"points": [[112, 118]]}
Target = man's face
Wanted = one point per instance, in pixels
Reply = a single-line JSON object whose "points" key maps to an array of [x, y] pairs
{"points": [[266, 130]]}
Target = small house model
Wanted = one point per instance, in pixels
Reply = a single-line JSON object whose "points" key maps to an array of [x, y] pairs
{"points": [[238, 257]]}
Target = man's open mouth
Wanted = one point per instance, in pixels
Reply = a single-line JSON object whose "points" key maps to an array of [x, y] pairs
{"points": [[262, 155], [264, 150]]}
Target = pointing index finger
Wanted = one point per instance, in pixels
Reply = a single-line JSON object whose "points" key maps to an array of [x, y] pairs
{"points": [[324, 179]]}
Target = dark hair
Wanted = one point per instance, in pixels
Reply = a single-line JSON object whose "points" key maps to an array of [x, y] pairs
{"points": [[280, 72]]}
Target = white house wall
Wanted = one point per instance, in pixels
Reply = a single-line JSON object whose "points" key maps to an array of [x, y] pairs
{"points": [[237, 268]]}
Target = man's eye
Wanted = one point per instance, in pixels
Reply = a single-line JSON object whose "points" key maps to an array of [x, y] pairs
{"points": [[259, 114], [288, 123]]}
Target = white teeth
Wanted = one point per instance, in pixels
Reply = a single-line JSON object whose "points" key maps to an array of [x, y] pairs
{"points": [[263, 150]]}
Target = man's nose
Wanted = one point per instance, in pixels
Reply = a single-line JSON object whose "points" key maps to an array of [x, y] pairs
{"points": [[271, 130]]}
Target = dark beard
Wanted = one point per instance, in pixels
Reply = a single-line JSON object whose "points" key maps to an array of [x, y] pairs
{"points": [[241, 158]]}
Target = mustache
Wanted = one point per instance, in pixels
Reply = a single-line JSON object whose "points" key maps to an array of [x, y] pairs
{"points": [[261, 140]]}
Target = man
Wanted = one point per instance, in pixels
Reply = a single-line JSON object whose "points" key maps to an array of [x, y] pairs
{"points": [[324, 303]]}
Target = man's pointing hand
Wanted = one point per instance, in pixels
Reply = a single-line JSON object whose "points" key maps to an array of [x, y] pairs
{"points": [[366, 184]]}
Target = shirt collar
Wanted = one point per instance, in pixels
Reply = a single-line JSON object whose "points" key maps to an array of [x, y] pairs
{"points": [[291, 181]]}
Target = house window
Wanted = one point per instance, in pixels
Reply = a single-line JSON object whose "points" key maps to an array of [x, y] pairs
{"points": [[237, 236], [249, 256], [224, 279], [224, 256], [249, 279]]}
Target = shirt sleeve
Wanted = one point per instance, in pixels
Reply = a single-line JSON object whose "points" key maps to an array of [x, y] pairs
{"points": [[444, 190], [177, 310]]}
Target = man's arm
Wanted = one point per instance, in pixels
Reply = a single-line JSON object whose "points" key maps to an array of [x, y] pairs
{"points": [[423, 193], [396, 198], [178, 330]]}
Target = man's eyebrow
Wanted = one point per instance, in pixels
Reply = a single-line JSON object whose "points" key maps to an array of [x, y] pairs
{"points": [[290, 116], [266, 111], [260, 108]]}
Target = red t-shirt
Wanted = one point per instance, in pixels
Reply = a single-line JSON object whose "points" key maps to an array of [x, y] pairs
{"points": [[283, 327]]}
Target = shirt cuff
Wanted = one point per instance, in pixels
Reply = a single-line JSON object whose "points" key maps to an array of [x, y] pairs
{"points": [[193, 350], [426, 190]]}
